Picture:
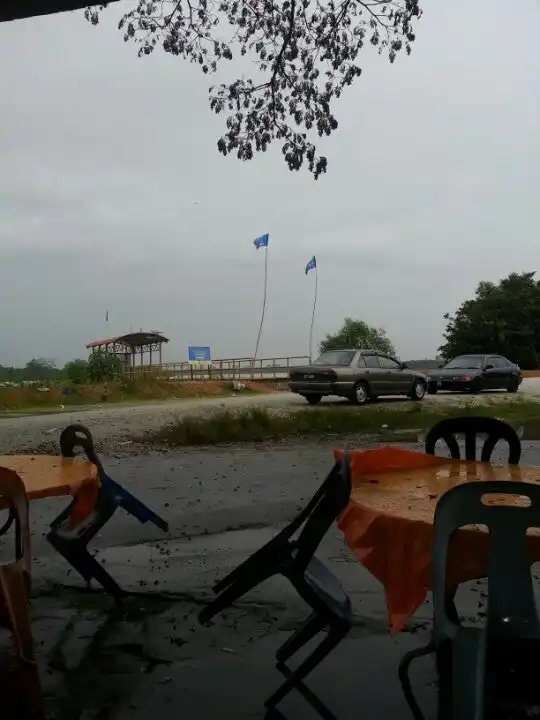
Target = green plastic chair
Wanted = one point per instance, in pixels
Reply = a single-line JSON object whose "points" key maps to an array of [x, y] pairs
{"points": [[462, 652]]}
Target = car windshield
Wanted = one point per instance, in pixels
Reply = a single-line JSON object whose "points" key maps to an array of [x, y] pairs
{"points": [[464, 362], [340, 358]]}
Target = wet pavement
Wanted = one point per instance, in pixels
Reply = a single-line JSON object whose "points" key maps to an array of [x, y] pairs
{"points": [[149, 655]]}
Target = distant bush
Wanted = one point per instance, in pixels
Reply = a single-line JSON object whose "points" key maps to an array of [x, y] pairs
{"points": [[77, 371], [104, 366]]}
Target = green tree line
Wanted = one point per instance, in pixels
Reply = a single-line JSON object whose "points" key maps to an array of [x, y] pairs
{"points": [[502, 317], [100, 366]]}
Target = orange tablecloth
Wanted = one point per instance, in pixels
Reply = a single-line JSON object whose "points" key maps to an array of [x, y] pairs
{"points": [[388, 523], [47, 476]]}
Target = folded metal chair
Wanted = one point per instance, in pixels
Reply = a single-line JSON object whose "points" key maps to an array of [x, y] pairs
{"points": [[291, 554], [471, 427], [77, 435], [14, 588], [465, 653]]}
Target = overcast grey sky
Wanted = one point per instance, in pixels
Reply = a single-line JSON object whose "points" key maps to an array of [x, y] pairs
{"points": [[113, 195]]}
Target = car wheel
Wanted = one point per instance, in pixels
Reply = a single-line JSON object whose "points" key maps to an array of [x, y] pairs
{"points": [[360, 394], [313, 399], [418, 390], [513, 388]]}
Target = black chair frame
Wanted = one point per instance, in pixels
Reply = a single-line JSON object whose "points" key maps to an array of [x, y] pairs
{"points": [[293, 558], [471, 427]]}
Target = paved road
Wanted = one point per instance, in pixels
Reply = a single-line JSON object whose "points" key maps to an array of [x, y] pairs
{"points": [[121, 422], [222, 504], [206, 493]]}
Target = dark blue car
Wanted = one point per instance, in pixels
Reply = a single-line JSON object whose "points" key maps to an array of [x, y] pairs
{"points": [[474, 373]]}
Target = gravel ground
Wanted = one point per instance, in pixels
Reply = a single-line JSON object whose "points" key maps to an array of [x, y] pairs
{"points": [[113, 427]]}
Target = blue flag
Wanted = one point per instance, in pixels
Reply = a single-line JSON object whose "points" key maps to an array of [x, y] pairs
{"points": [[261, 241], [312, 264]]}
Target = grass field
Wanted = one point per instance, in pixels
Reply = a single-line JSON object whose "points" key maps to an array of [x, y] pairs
{"points": [[259, 424]]}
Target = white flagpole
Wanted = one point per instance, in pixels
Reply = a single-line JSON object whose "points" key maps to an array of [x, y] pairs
{"points": [[264, 301], [313, 316]]}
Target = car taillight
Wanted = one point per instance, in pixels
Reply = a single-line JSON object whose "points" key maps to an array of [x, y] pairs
{"points": [[466, 378]]}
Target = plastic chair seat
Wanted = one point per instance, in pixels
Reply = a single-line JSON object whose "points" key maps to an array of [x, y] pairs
{"points": [[327, 587], [63, 530]]}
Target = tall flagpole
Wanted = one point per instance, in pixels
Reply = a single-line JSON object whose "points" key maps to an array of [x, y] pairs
{"points": [[264, 300], [313, 316]]}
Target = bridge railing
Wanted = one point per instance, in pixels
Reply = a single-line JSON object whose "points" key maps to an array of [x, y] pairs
{"points": [[276, 368]]}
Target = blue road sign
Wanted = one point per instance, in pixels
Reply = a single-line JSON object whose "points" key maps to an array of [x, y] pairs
{"points": [[198, 354]]}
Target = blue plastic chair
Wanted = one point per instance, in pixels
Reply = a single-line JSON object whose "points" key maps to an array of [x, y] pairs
{"points": [[77, 435]]}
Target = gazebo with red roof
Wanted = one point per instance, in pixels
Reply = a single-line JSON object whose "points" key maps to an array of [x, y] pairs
{"points": [[132, 346]]}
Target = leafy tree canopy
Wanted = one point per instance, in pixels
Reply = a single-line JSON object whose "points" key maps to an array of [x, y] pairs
{"points": [[301, 55], [76, 371], [34, 370], [501, 318], [100, 366], [103, 366], [358, 334]]}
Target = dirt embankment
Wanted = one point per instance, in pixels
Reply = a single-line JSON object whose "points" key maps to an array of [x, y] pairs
{"points": [[59, 397]]}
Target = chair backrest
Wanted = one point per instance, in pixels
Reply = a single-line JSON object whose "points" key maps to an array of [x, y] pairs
{"points": [[327, 503], [13, 494], [510, 588], [471, 427], [77, 435]]}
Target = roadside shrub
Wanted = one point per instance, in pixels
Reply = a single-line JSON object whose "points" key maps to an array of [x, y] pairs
{"points": [[77, 371], [258, 424], [104, 366]]}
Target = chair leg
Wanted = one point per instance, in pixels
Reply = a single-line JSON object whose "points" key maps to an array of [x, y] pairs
{"points": [[468, 675], [309, 696], [87, 566], [315, 623], [98, 573], [403, 672], [69, 553], [15, 593], [334, 636]]}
